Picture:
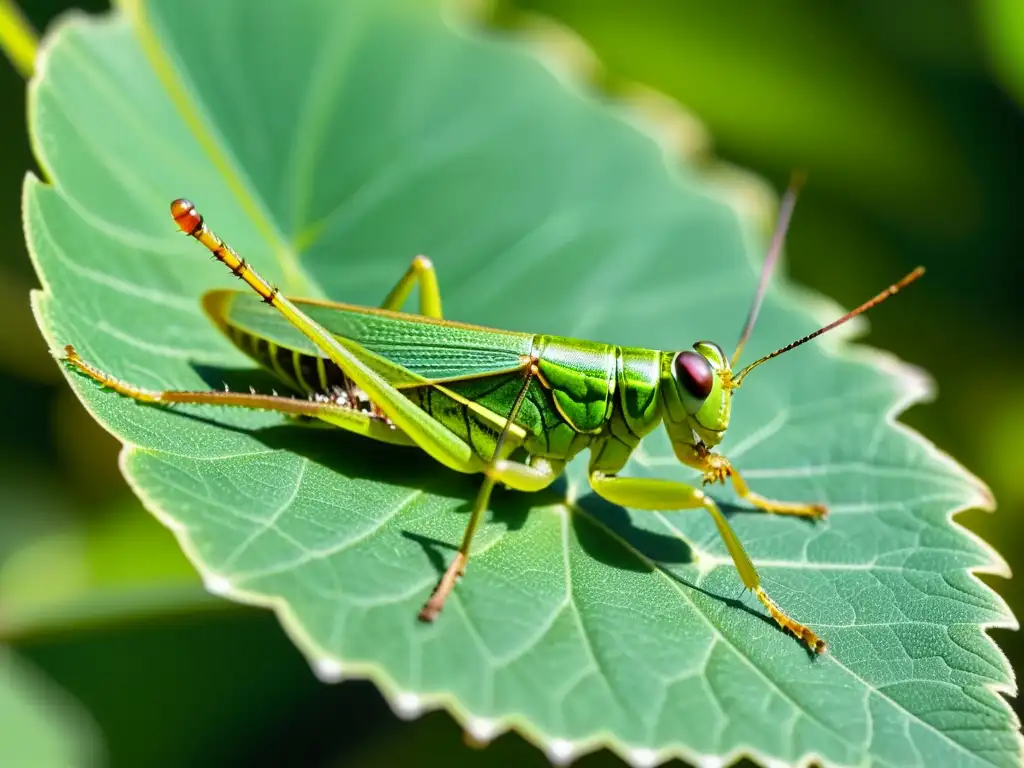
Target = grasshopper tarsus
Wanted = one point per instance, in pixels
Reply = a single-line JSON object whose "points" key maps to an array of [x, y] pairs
{"points": [[435, 604], [431, 610], [803, 633]]}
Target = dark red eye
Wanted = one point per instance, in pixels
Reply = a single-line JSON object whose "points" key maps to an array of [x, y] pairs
{"points": [[695, 374]]}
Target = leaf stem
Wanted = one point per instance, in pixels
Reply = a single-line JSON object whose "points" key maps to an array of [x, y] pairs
{"points": [[17, 38]]}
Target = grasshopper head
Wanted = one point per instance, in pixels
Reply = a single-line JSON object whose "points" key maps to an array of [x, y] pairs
{"points": [[698, 396], [697, 386]]}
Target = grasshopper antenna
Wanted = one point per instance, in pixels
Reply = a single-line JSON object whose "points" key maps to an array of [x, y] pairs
{"points": [[890, 291], [796, 182]]}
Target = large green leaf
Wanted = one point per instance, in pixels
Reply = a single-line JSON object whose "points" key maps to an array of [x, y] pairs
{"points": [[330, 142]]}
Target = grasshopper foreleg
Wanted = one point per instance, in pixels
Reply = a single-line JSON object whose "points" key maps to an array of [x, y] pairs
{"points": [[668, 495], [717, 469]]}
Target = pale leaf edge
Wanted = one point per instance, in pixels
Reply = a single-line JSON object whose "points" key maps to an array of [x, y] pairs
{"points": [[682, 139]]}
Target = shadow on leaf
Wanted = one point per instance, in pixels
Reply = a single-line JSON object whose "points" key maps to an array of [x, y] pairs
{"points": [[636, 549]]}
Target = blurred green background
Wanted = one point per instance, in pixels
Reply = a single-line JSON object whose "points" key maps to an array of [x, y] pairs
{"points": [[909, 119]]}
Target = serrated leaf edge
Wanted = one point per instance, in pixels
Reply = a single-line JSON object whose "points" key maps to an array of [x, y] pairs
{"points": [[681, 137]]}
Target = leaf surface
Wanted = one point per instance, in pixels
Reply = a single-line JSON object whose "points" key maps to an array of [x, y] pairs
{"points": [[332, 142]]}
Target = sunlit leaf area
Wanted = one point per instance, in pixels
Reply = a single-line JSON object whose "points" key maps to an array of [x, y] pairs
{"points": [[205, 585]]}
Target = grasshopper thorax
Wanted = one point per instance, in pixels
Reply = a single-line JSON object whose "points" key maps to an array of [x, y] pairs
{"points": [[696, 391]]}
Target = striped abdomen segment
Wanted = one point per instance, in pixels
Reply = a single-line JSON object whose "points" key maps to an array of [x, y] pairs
{"points": [[309, 374]]}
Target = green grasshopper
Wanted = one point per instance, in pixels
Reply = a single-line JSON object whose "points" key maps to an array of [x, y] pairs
{"points": [[471, 396]]}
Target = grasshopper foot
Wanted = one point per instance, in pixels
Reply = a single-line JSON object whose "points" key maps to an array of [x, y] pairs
{"points": [[802, 632], [433, 606]]}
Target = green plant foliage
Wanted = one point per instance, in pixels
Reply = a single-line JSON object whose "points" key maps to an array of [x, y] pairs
{"points": [[331, 142], [111, 566], [851, 119], [1003, 23], [40, 724]]}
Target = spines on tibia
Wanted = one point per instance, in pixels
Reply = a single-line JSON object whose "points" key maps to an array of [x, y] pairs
{"points": [[316, 377]]}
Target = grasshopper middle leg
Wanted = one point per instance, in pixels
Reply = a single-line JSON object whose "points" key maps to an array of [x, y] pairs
{"points": [[513, 474], [421, 271]]}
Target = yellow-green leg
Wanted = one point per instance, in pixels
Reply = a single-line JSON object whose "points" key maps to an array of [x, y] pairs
{"points": [[498, 470], [413, 424], [359, 422], [668, 495], [717, 469], [421, 271], [432, 437]]}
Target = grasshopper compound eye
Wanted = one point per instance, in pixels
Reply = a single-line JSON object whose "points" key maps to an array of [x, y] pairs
{"points": [[694, 374]]}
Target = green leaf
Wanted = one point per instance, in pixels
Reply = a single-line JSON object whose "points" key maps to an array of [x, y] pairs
{"points": [[852, 119], [118, 567], [1002, 22], [39, 723], [330, 143]]}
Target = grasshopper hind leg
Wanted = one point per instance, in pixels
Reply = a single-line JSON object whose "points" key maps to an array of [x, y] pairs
{"points": [[325, 409], [427, 433]]}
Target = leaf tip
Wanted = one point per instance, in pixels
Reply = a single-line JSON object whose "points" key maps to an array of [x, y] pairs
{"points": [[408, 706], [217, 585], [327, 670], [559, 751], [642, 757], [482, 730]]}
